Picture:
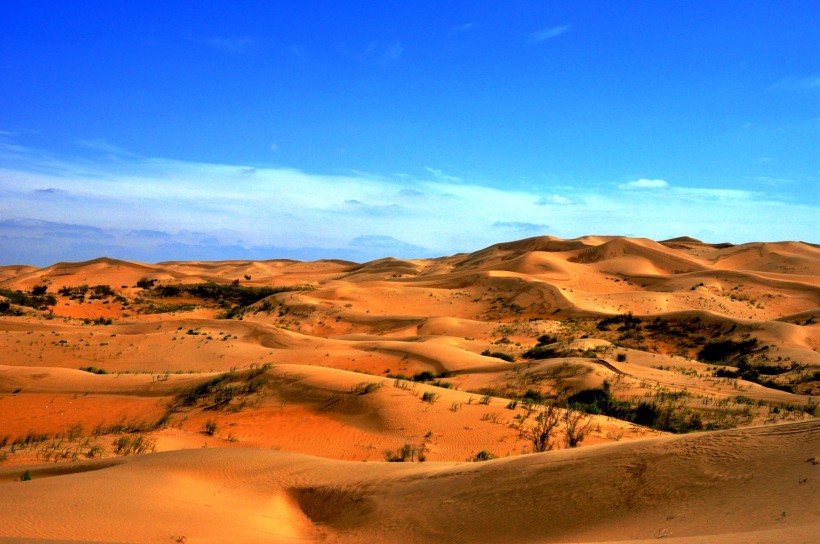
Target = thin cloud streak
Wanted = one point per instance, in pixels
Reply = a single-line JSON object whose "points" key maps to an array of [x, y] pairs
{"points": [[231, 45], [549, 33]]}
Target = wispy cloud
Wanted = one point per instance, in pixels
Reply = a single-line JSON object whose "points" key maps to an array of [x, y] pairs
{"points": [[100, 144], [644, 184], [241, 44], [521, 226], [377, 53], [549, 33], [460, 29], [552, 199], [440, 175], [811, 82], [387, 245], [392, 52], [258, 212]]}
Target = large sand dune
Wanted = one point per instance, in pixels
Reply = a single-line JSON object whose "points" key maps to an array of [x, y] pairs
{"points": [[240, 401], [751, 485]]}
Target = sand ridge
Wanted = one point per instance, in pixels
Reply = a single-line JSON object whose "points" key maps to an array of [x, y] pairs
{"points": [[264, 397]]}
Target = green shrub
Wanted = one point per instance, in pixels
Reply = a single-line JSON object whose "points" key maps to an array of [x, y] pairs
{"points": [[93, 370], [429, 397], [483, 455], [498, 355], [726, 350], [210, 427], [424, 376], [405, 454], [542, 352]]}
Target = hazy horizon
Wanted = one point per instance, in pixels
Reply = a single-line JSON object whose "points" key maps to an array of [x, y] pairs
{"points": [[186, 131]]}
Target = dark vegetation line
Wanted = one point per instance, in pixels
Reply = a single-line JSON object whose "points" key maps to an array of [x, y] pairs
{"points": [[234, 298]]}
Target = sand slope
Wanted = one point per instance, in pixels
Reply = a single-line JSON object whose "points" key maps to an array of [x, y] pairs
{"points": [[748, 485], [271, 420]]}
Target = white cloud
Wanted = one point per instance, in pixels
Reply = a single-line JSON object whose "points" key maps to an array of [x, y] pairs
{"points": [[549, 33], [458, 29], [644, 184], [438, 174], [553, 199], [287, 210]]}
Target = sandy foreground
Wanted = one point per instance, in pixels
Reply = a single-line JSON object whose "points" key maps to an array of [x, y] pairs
{"points": [[262, 401]]}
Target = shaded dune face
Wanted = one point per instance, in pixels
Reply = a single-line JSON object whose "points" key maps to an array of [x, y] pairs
{"points": [[259, 400]]}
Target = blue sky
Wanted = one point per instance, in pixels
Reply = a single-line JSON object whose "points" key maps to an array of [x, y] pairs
{"points": [[184, 130]]}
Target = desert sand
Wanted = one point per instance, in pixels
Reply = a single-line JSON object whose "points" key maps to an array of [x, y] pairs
{"points": [[397, 400]]}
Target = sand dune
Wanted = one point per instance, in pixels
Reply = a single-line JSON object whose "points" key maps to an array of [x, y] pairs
{"points": [[261, 401], [751, 485]]}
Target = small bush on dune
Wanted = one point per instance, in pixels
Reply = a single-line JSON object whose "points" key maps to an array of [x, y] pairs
{"points": [[483, 455], [498, 355], [542, 431], [210, 427], [407, 453]]}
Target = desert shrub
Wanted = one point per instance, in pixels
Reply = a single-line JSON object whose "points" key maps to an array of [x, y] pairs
{"points": [[210, 427], [146, 283], [627, 321], [167, 308], [38, 302], [133, 445], [427, 396], [542, 352], [542, 431], [726, 350], [257, 370], [98, 321], [533, 396], [498, 355], [365, 388], [726, 373], [26, 476], [483, 455], [202, 391], [233, 293], [93, 370], [39, 290], [404, 454], [621, 357], [576, 427], [6, 309], [424, 376], [101, 291], [545, 339], [593, 401]]}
